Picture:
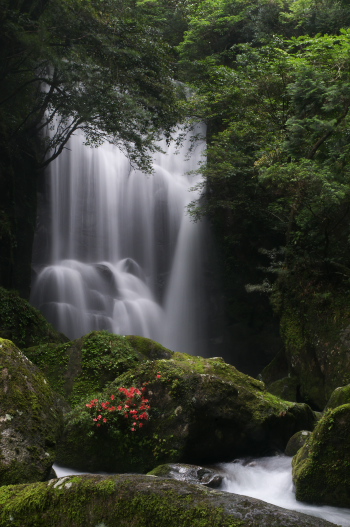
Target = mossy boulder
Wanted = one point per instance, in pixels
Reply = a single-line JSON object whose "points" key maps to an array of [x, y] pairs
{"points": [[22, 323], [315, 328], [82, 367], [189, 473], [140, 501], [30, 419], [202, 411], [340, 396], [321, 468], [296, 442]]}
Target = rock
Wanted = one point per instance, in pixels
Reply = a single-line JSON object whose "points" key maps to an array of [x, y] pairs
{"points": [[202, 411], [340, 396], [296, 442], [189, 473], [22, 323], [286, 388], [321, 468], [125, 500], [29, 421], [80, 368], [315, 328]]}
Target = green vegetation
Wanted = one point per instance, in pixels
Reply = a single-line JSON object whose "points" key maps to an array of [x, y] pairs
{"points": [[321, 468], [79, 369], [22, 323], [31, 419], [126, 500], [187, 397]]}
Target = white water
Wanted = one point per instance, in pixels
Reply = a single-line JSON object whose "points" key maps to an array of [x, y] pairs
{"points": [[116, 250], [270, 479]]}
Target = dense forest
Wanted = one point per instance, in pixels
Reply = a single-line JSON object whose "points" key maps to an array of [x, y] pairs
{"points": [[270, 78]]}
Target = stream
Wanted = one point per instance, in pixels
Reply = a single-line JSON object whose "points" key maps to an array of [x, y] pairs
{"points": [[268, 479]]}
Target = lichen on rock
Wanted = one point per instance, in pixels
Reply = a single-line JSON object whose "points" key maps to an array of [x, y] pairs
{"points": [[30, 419]]}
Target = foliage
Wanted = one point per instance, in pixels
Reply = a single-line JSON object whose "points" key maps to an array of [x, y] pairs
{"points": [[97, 66], [133, 406], [278, 157]]}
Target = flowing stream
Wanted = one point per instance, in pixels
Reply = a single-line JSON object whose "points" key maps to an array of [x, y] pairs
{"points": [[268, 479], [116, 250]]}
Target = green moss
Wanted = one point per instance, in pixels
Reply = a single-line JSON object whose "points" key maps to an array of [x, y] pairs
{"points": [[131, 500], [315, 322], [339, 397], [79, 369], [185, 403], [31, 419], [22, 323], [321, 468]]}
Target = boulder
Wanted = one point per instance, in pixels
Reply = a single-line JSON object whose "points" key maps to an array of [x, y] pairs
{"points": [[296, 442], [201, 411], [30, 419], [321, 468], [189, 473], [315, 328], [80, 368], [125, 500], [24, 325], [339, 396]]}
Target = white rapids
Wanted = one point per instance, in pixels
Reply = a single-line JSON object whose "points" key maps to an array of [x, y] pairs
{"points": [[270, 479]]}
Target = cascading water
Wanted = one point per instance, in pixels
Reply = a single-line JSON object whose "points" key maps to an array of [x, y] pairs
{"points": [[116, 250], [270, 479]]}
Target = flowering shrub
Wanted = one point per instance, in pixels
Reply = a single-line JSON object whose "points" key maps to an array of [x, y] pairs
{"points": [[130, 404]]}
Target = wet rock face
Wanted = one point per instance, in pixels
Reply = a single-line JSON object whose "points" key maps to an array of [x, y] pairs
{"points": [[189, 473], [202, 411], [126, 500], [29, 419], [321, 468], [296, 442]]}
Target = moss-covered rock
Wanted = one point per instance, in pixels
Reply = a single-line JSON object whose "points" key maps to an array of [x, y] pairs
{"points": [[139, 501], [321, 468], [82, 367], [296, 442], [189, 473], [202, 411], [22, 323], [340, 396], [285, 388], [29, 419], [315, 327]]}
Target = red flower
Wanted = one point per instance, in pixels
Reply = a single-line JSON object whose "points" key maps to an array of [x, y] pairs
{"points": [[112, 397], [105, 420]]}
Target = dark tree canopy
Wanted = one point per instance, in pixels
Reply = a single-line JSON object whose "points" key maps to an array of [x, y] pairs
{"points": [[94, 65]]}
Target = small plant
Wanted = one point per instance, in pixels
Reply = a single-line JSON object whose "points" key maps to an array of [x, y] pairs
{"points": [[129, 407]]}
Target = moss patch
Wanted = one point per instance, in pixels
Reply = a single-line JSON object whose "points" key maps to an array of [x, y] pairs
{"points": [[202, 410], [140, 501], [30, 419], [79, 369], [22, 323], [321, 468]]}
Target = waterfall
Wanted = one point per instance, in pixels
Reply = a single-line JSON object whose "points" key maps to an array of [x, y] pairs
{"points": [[116, 250]]}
